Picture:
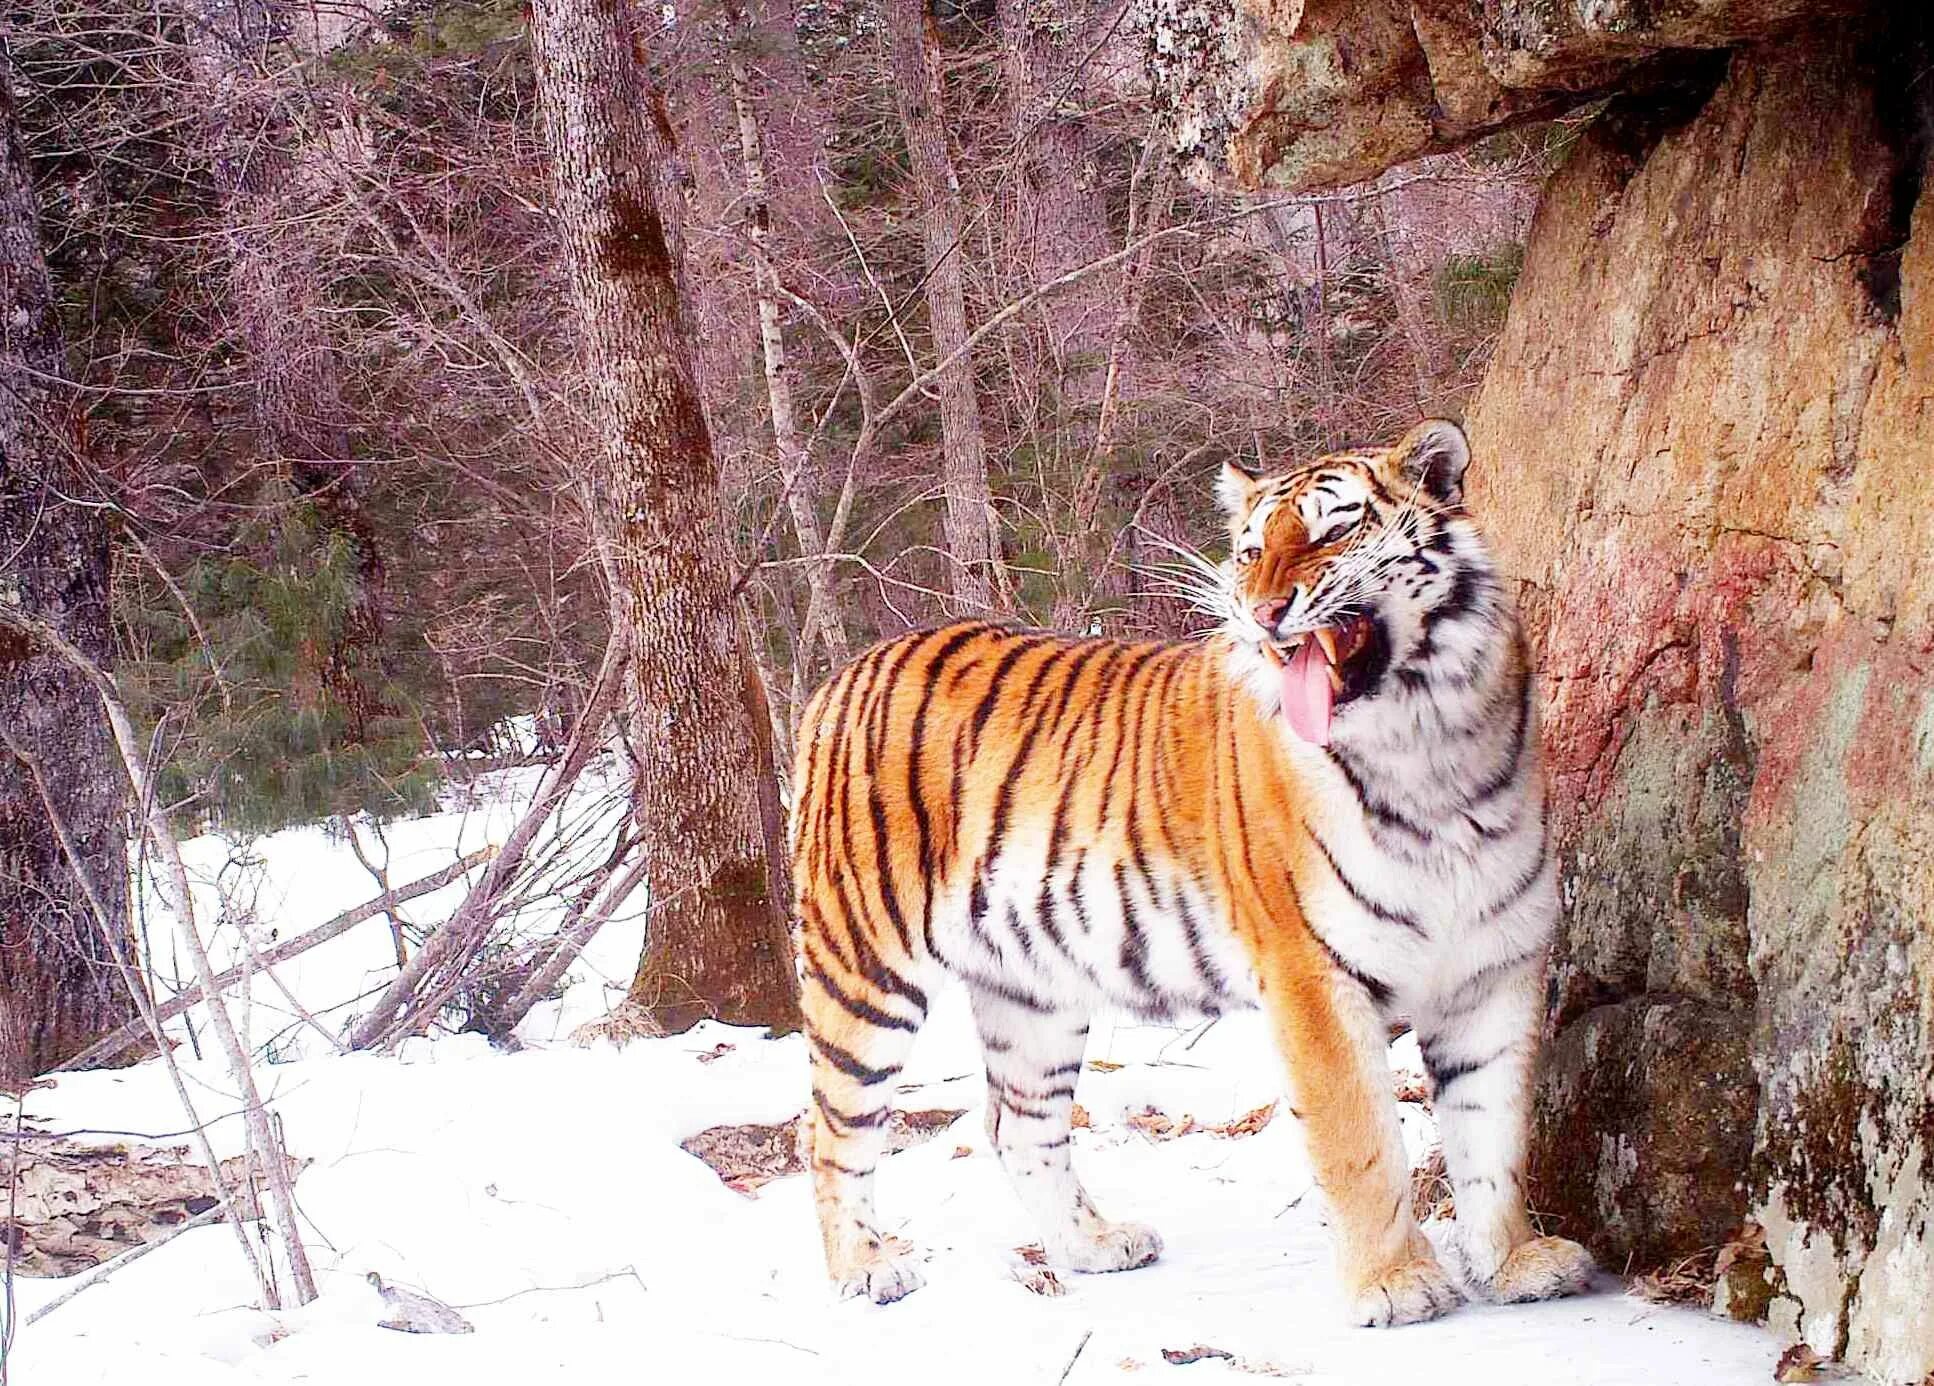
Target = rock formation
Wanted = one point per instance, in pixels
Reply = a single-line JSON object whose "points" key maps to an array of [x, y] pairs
{"points": [[1705, 448]]}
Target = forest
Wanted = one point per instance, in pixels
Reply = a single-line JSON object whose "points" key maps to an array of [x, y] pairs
{"points": [[443, 446]]}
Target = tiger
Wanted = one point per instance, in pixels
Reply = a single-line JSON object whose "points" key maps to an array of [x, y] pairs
{"points": [[1332, 808]]}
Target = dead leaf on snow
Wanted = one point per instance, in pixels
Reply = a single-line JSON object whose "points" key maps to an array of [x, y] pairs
{"points": [[747, 1157], [1033, 1253], [715, 1053], [1798, 1363], [1104, 1066], [1080, 1121], [1431, 1195], [1411, 1087], [961, 1152], [1201, 1352], [1041, 1281], [1245, 1125], [1158, 1125]]}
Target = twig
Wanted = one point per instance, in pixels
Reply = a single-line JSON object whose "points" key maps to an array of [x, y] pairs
{"points": [[1079, 1348], [126, 1258], [281, 952]]}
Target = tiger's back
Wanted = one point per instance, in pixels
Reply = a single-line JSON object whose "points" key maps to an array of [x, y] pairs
{"points": [[1025, 810]]}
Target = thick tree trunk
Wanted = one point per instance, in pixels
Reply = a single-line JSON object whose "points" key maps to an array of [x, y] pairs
{"points": [[798, 475], [60, 987], [707, 793], [973, 534]]}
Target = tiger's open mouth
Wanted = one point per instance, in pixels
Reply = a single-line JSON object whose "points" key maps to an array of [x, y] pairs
{"points": [[1320, 669]]}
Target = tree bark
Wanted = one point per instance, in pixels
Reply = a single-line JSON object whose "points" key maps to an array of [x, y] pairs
{"points": [[717, 943], [60, 985], [973, 536]]}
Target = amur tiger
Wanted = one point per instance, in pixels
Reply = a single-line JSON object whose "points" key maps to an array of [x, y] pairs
{"points": [[1332, 808]]}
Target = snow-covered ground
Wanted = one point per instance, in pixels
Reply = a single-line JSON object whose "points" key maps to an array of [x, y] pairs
{"points": [[545, 1194]]}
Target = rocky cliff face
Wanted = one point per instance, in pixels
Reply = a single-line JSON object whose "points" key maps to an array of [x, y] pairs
{"points": [[1707, 444], [1706, 449]]}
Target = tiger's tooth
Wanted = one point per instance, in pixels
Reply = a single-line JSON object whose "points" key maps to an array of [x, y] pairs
{"points": [[1327, 639]]}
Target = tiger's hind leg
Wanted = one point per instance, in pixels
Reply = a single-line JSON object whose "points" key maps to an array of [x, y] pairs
{"points": [[1033, 1058], [860, 1032]]}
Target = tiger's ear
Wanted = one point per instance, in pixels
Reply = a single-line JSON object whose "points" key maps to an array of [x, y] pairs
{"points": [[1235, 487], [1432, 458]]}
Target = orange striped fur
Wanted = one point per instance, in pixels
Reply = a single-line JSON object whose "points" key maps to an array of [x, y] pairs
{"points": [[1074, 824]]}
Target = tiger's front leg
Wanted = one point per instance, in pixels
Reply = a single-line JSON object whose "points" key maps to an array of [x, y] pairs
{"points": [[1334, 1045], [1478, 1051]]}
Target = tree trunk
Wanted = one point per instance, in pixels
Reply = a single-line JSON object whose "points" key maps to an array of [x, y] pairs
{"points": [[973, 535], [60, 987], [707, 794], [798, 476]]}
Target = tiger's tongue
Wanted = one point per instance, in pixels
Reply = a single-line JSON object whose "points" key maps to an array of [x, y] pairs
{"points": [[1307, 698]]}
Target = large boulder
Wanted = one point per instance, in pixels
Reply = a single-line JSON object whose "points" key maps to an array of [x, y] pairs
{"points": [[1308, 94], [1705, 449]]}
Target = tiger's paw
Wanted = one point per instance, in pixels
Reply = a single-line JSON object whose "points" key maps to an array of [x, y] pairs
{"points": [[1411, 1293], [1542, 1268], [882, 1272], [1118, 1246]]}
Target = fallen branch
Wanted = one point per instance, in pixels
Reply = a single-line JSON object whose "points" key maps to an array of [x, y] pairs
{"points": [[449, 949], [120, 1039]]}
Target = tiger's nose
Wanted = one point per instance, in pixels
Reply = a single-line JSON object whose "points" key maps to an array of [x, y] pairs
{"points": [[1270, 612]]}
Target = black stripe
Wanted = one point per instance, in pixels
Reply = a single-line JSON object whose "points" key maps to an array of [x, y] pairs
{"points": [[1123, 730], [836, 754], [851, 1066], [1522, 885], [1442, 1075], [879, 713], [853, 1005], [1379, 990], [1049, 914], [1212, 978], [1134, 944], [1476, 989], [916, 792], [1091, 651], [1004, 798], [1003, 989], [1372, 805], [1374, 908], [1507, 773], [985, 707], [846, 1119], [873, 967]]}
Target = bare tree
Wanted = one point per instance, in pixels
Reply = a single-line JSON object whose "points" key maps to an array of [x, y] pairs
{"points": [[798, 476], [708, 796], [972, 528], [59, 986]]}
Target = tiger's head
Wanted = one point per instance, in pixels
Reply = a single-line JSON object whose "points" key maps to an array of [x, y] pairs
{"points": [[1357, 581]]}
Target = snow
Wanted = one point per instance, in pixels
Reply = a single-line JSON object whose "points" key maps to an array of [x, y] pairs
{"points": [[544, 1193]]}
